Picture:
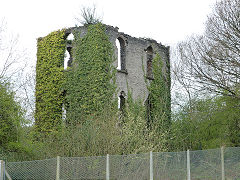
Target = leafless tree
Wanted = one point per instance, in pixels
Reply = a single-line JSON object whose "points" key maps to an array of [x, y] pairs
{"points": [[15, 70], [12, 61], [88, 15], [211, 62]]}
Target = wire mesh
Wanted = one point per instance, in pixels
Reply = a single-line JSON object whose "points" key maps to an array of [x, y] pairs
{"points": [[40, 169], [83, 167], [232, 163], [134, 166], [205, 164], [170, 165]]}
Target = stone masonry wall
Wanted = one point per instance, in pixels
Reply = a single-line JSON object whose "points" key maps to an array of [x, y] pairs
{"points": [[136, 61]]}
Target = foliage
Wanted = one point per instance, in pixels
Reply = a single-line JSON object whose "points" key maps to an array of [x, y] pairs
{"points": [[105, 134], [90, 85], [136, 136], [207, 123], [87, 94], [159, 95], [12, 112], [158, 105], [11, 116], [92, 125], [49, 81], [96, 136], [11, 126], [209, 65]]}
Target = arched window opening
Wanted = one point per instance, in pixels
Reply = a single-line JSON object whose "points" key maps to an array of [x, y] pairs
{"points": [[121, 53], [70, 37], [68, 54], [118, 54], [149, 52]]}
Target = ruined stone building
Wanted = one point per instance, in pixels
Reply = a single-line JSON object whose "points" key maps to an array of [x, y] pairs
{"points": [[133, 63]]}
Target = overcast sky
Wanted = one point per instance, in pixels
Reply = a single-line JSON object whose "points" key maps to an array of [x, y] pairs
{"points": [[167, 21]]}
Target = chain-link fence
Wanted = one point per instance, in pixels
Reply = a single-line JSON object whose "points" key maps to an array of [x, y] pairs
{"points": [[214, 164]]}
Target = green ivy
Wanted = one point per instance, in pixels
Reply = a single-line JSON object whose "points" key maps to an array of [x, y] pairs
{"points": [[90, 83], [49, 81], [159, 95]]}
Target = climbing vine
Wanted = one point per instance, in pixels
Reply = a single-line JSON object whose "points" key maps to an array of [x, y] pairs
{"points": [[49, 81], [88, 88], [159, 98], [90, 83]]}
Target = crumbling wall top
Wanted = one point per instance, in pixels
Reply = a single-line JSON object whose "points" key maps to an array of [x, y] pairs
{"points": [[115, 29]]}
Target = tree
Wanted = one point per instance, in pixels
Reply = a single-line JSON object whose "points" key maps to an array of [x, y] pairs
{"points": [[89, 16], [14, 68], [12, 60], [11, 116], [11, 113], [211, 62], [14, 145], [12, 85], [207, 123], [208, 65]]}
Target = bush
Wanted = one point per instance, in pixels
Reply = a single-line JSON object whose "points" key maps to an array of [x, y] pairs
{"points": [[11, 116]]}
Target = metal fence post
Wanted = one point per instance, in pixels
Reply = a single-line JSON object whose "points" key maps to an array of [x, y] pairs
{"points": [[222, 163], [188, 166], [2, 170], [151, 166], [58, 168], [107, 167]]}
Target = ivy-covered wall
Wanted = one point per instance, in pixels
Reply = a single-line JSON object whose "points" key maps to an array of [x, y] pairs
{"points": [[90, 85], [159, 99], [49, 81]]}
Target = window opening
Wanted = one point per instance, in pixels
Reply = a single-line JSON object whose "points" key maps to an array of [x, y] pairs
{"points": [[68, 54], [70, 37], [121, 54], [149, 52], [121, 104], [121, 100]]}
